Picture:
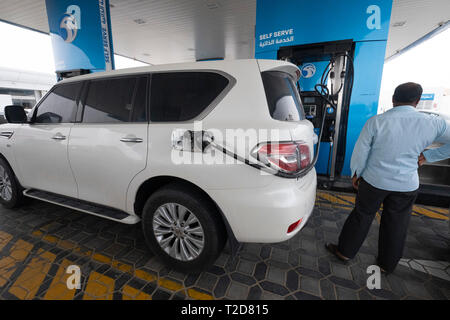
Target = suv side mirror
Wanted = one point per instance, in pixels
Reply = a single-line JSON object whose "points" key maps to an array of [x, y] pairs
{"points": [[15, 114]]}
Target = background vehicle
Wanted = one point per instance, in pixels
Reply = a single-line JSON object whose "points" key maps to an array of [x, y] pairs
{"points": [[107, 144]]}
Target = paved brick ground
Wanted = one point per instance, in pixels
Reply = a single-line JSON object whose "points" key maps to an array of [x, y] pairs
{"points": [[39, 241]]}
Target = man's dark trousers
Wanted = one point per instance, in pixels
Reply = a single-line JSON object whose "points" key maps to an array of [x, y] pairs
{"points": [[397, 208]]}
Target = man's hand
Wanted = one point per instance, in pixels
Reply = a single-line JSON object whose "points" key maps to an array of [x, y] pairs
{"points": [[421, 160], [355, 182]]}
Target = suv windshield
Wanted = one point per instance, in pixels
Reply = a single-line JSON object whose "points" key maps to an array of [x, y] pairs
{"points": [[282, 96]]}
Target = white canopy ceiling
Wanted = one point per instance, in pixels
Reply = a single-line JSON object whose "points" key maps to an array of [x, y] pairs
{"points": [[166, 31]]}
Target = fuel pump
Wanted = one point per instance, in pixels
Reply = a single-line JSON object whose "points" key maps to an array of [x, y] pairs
{"points": [[325, 88]]}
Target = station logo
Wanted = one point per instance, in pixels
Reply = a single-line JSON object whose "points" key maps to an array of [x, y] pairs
{"points": [[374, 20], [308, 70], [70, 23]]}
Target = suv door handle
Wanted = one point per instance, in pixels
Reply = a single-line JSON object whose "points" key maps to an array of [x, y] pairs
{"points": [[129, 139], [59, 136], [6, 134]]}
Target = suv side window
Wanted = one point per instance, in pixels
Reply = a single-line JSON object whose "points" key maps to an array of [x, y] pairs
{"points": [[140, 113], [116, 100], [182, 96], [60, 104]]}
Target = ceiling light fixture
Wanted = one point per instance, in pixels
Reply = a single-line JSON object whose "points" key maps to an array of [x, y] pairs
{"points": [[212, 5], [140, 21], [398, 24]]}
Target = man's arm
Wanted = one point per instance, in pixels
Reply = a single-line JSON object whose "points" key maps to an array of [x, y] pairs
{"points": [[443, 152], [362, 150]]}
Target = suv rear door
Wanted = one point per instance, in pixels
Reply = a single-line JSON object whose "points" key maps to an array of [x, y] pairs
{"points": [[108, 145], [40, 148]]}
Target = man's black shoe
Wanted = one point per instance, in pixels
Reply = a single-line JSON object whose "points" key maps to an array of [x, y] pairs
{"points": [[334, 250]]}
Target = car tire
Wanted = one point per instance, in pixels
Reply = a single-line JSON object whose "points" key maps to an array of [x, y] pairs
{"points": [[11, 195], [183, 228]]}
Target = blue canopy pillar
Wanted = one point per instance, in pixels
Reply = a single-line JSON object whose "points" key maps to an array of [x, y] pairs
{"points": [[81, 35]]}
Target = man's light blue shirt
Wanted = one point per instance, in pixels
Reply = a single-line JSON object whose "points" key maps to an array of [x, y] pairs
{"points": [[387, 151]]}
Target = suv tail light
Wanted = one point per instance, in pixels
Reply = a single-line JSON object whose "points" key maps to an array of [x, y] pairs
{"points": [[288, 157]]}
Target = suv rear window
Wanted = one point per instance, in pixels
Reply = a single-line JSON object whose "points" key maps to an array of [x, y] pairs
{"points": [[182, 96], [282, 96]]}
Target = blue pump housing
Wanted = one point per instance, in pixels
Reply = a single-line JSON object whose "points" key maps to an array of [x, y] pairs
{"points": [[299, 22]]}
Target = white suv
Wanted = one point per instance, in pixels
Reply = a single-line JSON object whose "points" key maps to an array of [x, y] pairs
{"points": [[200, 152]]}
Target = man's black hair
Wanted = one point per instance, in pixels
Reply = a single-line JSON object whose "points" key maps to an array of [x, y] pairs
{"points": [[409, 92]]}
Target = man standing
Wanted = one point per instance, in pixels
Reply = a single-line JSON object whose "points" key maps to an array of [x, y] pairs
{"points": [[384, 169]]}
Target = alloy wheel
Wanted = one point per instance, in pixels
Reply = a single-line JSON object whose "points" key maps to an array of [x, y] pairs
{"points": [[5, 185], [178, 232]]}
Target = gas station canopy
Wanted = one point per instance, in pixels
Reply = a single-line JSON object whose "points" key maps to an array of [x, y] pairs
{"points": [[164, 31], [306, 112]]}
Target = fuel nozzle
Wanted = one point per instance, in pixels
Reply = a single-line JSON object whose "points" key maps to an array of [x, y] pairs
{"points": [[194, 141]]}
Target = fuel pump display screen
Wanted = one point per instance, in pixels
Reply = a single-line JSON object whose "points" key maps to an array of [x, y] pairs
{"points": [[315, 110], [310, 111], [310, 107]]}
